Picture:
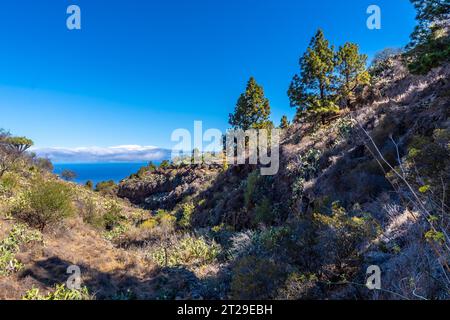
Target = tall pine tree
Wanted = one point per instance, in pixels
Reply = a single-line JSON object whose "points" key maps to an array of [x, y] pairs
{"points": [[430, 41], [313, 90], [431, 15], [252, 109], [351, 71], [284, 123]]}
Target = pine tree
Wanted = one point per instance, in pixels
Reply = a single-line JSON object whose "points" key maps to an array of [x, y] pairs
{"points": [[312, 91], [430, 41], [284, 124], [351, 71], [252, 109], [431, 15]]}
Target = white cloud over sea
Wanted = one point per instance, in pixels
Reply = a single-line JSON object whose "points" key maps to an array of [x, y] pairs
{"points": [[125, 153]]}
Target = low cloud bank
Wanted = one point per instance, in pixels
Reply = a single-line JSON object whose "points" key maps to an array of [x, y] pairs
{"points": [[129, 153]]}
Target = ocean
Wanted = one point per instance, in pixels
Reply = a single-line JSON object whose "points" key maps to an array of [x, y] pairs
{"points": [[97, 172]]}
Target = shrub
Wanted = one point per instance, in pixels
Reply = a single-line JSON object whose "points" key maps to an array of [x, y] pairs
{"points": [[148, 168], [342, 234], [68, 175], [165, 164], [273, 237], [106, 187], [8, 182], [309, 164], [44, 164], [250, 188], [46, 203], [263, 212], [149, 224], [89, 184], [188, 251], [89, 212], [61, 292], [429, 56], [115, 232], [187, 211], [383, 61], [112, 217], [255, 278], [165, 220], [299, 286], [9, 246]]}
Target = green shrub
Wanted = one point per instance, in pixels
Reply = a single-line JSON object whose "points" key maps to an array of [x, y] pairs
{"points": [[165, 219], [250, 188], [9, 246], [148, 168], [44, 164], [165, 164], [342, 233], [8, 183], [68, 175], [46, 203], [88, 212], [298, 286], [149, 224], [255, 278], [188, 251], [263, 212], [106, 187], [115, 232], [187, 211], [89, 184], [112, 217], [273, 237], [430, 55], [60, 293]]}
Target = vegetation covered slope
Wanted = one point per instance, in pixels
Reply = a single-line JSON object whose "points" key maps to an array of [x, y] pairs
{"points": [[364, 180], [367, 188]]}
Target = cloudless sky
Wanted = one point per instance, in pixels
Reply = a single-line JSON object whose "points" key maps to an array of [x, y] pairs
{"points": [[139, 69]]}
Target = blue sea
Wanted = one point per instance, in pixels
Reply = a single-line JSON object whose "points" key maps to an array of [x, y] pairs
{"points": [[97, 172]]}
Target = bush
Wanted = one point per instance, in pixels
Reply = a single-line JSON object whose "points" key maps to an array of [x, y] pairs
{"points": [[112, 217], [165, 220], [187, 211], [106, 187], [428, 56], [68, 175], [250, 188], [342, 234], [263, 212], [299, 286], [88, 212], [165, 164], [149, 224], [44, 164], [383, 61], [89, 184], [60, 293], [46, 203], [189, 251], [9, 246], [148, 168], [8, 183], [255, 278]]}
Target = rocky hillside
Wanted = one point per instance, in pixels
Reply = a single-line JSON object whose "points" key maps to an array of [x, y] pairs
{"points": [[370, 187], [366, 189]]}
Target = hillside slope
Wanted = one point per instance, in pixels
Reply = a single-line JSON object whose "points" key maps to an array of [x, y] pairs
{"points": [[361, 190], [368, 188]]}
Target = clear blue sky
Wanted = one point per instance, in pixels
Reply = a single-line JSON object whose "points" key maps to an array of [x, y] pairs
{"points": [[140, 69]]}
